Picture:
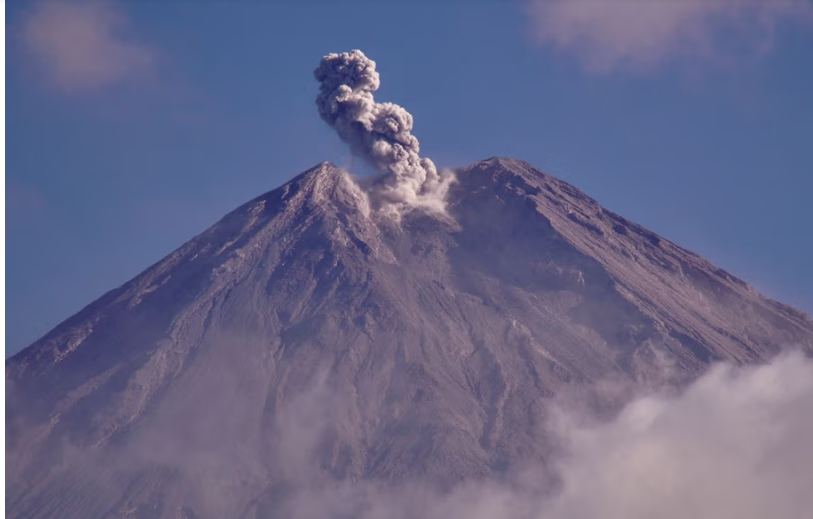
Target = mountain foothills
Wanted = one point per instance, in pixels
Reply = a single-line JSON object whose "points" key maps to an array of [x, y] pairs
{"points": [[307, 341]]}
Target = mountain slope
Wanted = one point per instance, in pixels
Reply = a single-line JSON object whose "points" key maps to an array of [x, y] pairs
{"points": [[300, 341]]}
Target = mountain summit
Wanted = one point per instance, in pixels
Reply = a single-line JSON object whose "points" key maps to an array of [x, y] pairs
{"points": [[304, 339]]}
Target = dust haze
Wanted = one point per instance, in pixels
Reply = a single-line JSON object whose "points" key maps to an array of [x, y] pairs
{"points": [[735, 444]]}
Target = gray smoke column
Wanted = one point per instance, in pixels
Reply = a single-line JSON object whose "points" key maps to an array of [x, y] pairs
{"points": [[380, 133]]}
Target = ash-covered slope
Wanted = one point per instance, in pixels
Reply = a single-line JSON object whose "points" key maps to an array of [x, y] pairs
{"points": [[301, 340]]}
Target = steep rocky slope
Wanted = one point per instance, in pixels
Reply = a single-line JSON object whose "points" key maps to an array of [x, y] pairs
{"points": [[303, 340]]}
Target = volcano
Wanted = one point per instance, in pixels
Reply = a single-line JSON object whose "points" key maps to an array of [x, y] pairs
{"points": [[305, 340]]}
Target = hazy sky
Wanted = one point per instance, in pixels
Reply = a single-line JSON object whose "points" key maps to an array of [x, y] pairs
{"points": [[131, 127]]}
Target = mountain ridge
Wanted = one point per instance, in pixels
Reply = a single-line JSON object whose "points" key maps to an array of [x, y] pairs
{"points": [[325, 166], [305, 337]]}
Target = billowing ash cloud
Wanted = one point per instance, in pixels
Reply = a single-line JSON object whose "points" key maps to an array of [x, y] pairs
{"points": [[380, 133]]}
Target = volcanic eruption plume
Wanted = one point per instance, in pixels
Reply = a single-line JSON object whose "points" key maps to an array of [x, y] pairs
{"points": [[380, 133]]}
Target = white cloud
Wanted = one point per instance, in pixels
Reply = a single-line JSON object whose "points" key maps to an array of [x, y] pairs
{"points": [[608, 35], [736, 444], [84, 44]]}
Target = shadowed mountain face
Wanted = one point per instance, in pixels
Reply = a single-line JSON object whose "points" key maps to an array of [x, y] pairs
{"points": [[301, 341]]}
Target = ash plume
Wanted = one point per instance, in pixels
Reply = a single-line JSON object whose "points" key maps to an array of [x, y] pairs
{"points": [[380, 133]]}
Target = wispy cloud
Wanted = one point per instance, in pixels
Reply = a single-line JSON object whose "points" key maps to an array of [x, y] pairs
{"points": [[639, 35], [84, 45]]}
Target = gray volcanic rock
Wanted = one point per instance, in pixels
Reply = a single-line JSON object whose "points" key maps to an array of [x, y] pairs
{"points": [[302, 341]]}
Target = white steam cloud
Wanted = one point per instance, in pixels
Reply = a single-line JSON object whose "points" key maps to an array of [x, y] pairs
{"points": [[380, 133]]}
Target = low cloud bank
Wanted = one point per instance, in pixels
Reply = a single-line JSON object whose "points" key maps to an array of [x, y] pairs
{"points": [[736, 444]]}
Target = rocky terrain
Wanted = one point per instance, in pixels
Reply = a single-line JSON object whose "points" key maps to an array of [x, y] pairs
{"points": [[304, 340]]}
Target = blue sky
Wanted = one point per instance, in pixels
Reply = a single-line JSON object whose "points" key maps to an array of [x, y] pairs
{"points": [[133, 126]]}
